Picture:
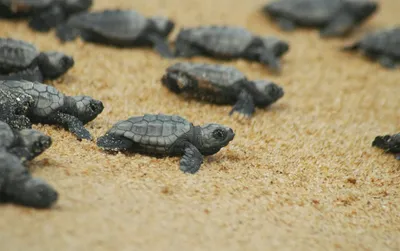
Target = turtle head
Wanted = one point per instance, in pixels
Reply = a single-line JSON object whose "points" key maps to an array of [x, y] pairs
{"points": [[53, 64], [163, 25], [35, 141], [75, 6], [85, 108], [214, 137], [35, 192], [277, 46], [362, 9], [388, 143], [265, 92]]}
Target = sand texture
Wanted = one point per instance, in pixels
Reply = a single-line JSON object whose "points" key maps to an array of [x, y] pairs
{"points": [[301, 175]]}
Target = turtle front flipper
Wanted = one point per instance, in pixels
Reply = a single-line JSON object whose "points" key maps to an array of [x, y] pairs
{"points": [[160, 44], [268, 58], [244, 105], [285, 24], [191, 159], [110, 142], [45, 20], [70, 123], [32, 74], [341, 25]]}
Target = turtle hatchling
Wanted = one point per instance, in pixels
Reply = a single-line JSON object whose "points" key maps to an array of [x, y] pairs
{"points": [[120, 28], [382, 46], [18, 186], [13, 109], [169, 135], [389, 143], [22, 60], [26, 144], [230, 42], [333, 18], [53, 107], [43, 14], [221, 84]]}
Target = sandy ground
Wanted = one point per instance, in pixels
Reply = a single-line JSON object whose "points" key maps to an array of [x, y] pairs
{"points": [[286, 182]]}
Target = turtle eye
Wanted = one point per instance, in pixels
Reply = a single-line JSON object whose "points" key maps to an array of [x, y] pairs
{"points": [[219, 134]]}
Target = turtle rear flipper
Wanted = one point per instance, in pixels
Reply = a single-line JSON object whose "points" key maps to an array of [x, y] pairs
{"points": [[160, 44], [48, 19], [112, 143], [65, 33]]}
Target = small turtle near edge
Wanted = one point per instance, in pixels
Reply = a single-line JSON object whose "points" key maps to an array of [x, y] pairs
{"points": [[22, 60], [53, 107], [382, 46], [230, 42], [221, 84], [26, 144], [389, 143], [18, 186], [13, 109], [43, 14], [334, 18], [120, 28], [169, 135]]}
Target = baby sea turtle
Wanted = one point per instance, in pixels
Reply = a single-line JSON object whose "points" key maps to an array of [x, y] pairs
{"points": [[44, 14], [333, 18], [221, 84], [13, 109], [229, 42], [22, 60], [383, 46], [121, 28], [18, 186], [26, 144], [389, 143], [52, 107], [169, 135]]}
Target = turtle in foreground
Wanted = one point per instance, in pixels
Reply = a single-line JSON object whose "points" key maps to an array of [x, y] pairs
{"points": [[22, 60], [43, 14], [221, 84], [120, 28], [333, 18], [18, 186], [169, 135], [26, 144], [389, 143], [230, 42], [382, 46], [13, 109], [52, 107]]}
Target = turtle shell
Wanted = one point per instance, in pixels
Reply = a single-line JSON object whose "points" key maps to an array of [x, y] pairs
{"points": [[209, 76], [221, 40], [307, 12], [46, 98], [112, 24], [16, 54], [6, 136], [152, 132], [385, 41]]}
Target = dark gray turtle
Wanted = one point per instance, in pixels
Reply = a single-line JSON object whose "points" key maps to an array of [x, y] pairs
{"points": [[26, 144], [13, 109], [18, 186], [333, 18], [53, 107], [229, 42], [43, 14], [121, 28], [22, 60], [389, 143], [221, 84], [169, 135], [383, 46]]}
